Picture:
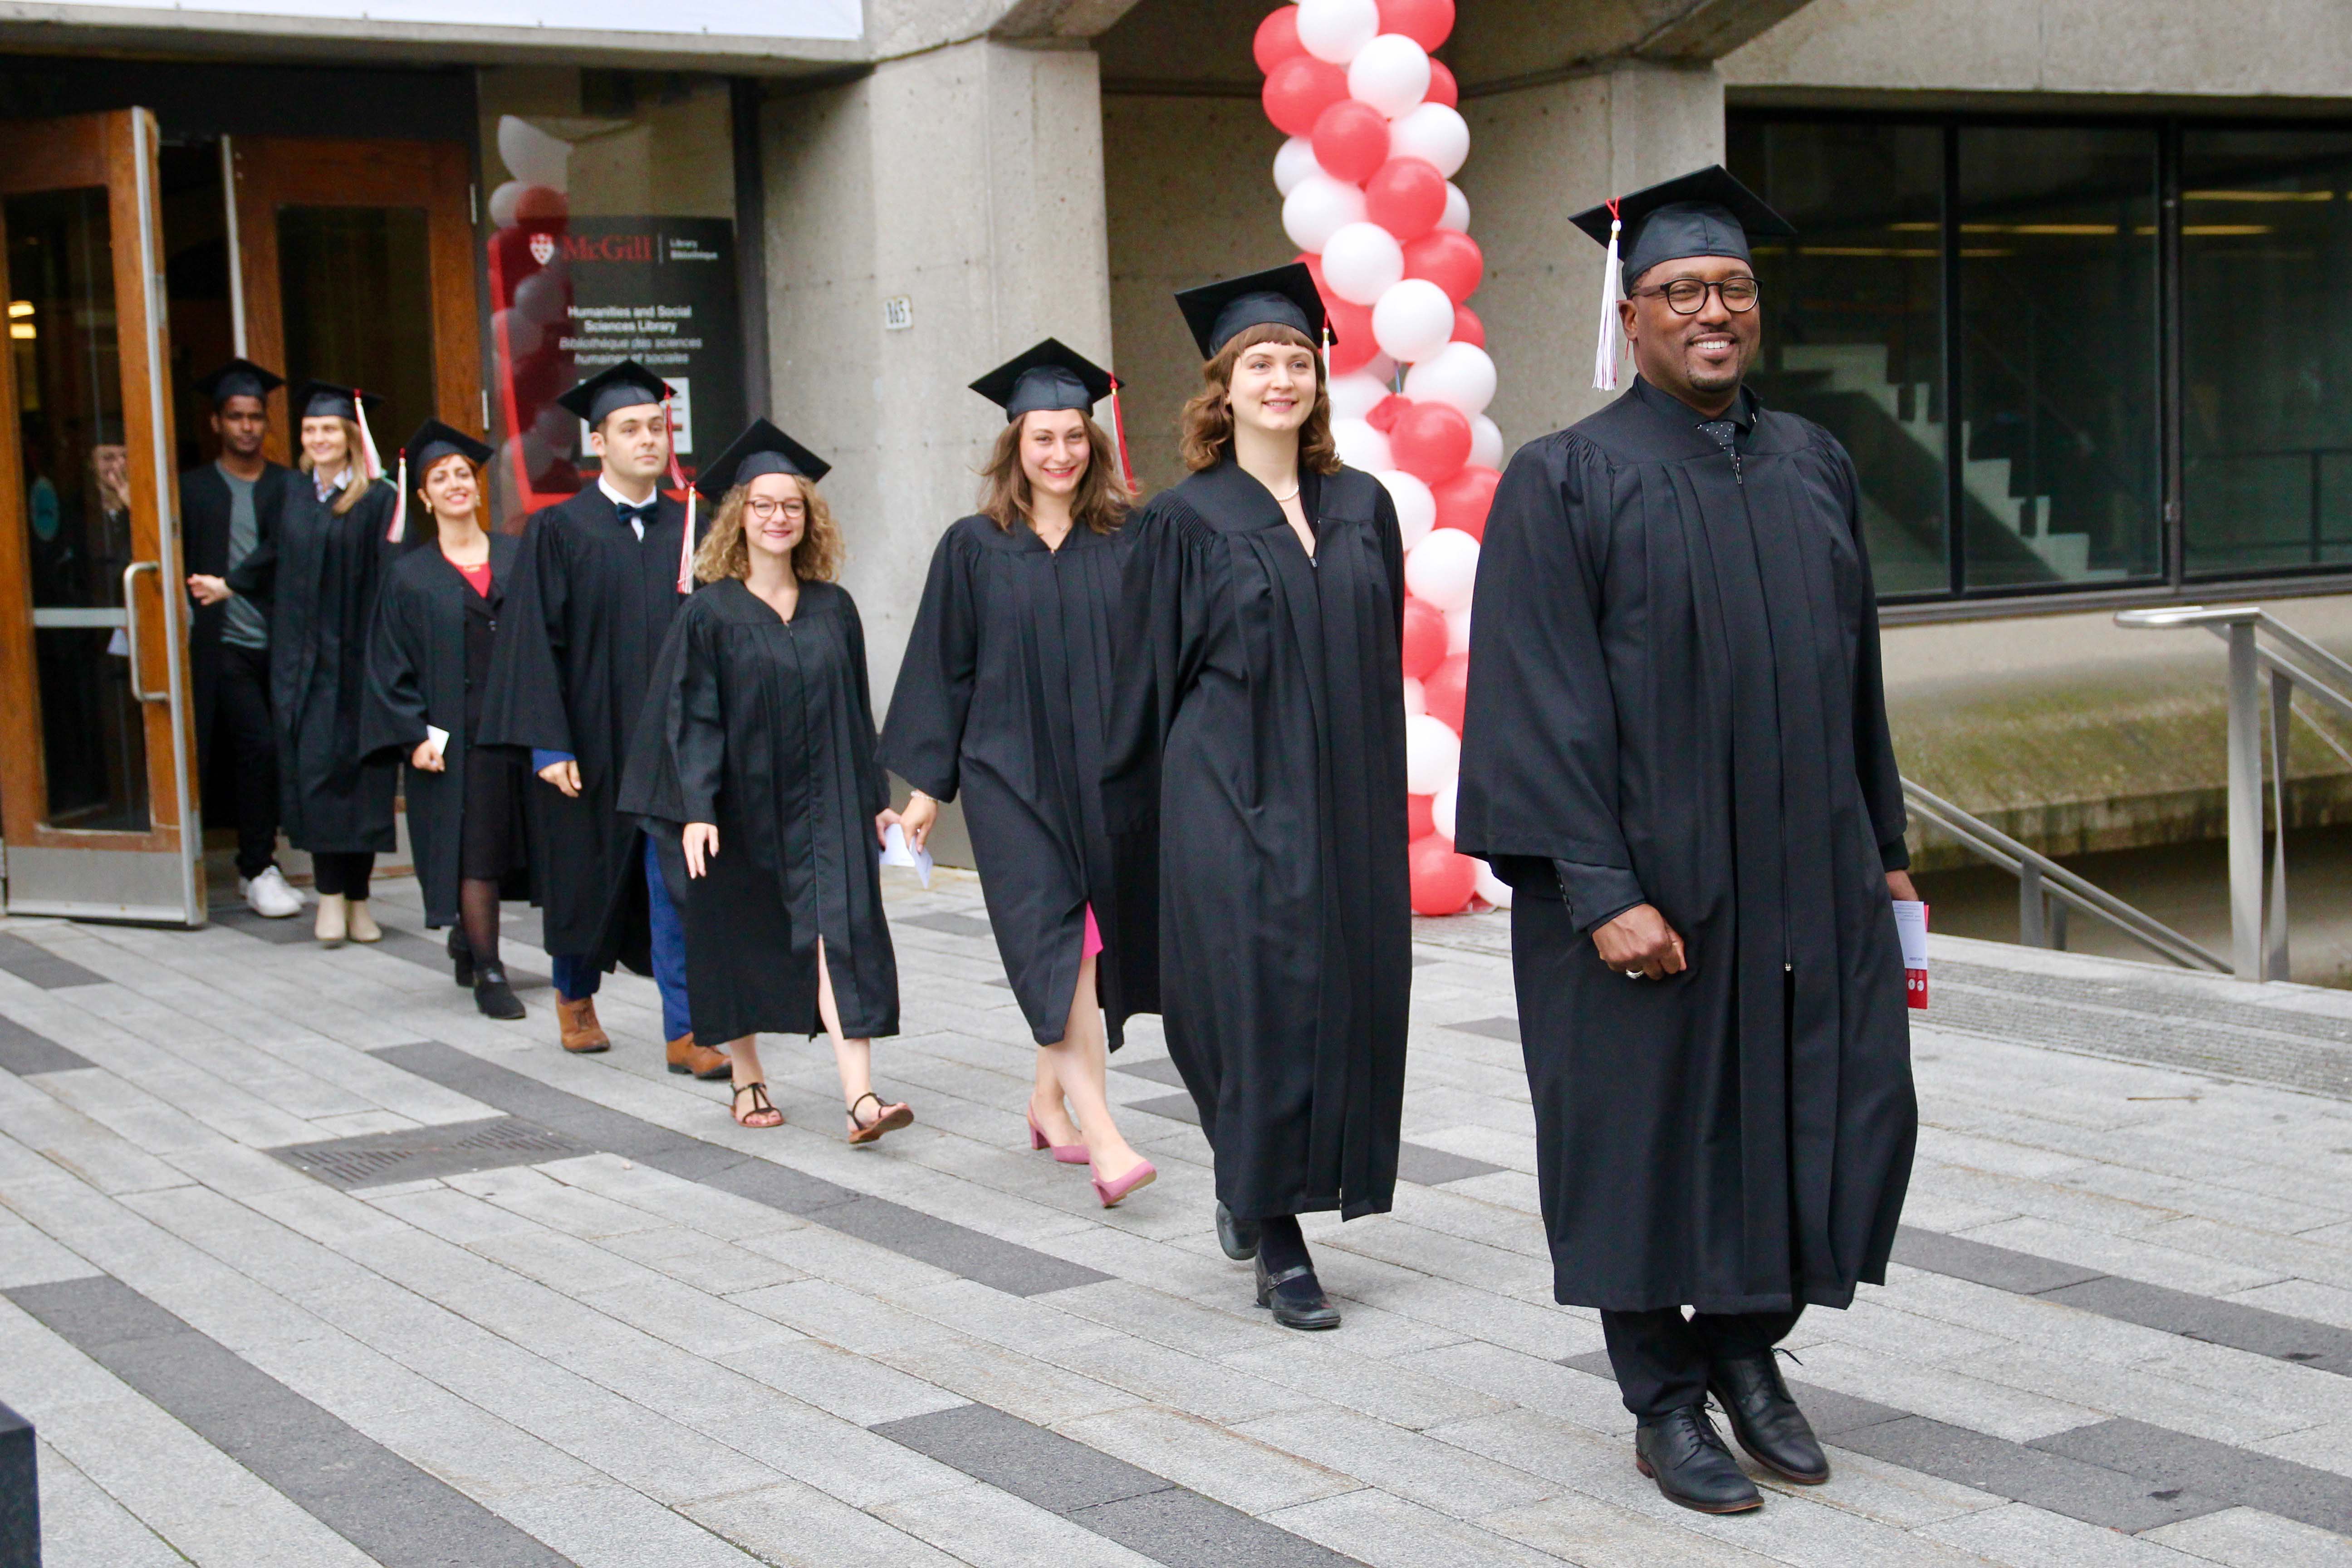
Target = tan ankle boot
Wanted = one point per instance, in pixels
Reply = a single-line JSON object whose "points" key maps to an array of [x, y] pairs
{"points": [[332, 925], [359, 922], [577, 1022], [703, 1061]]}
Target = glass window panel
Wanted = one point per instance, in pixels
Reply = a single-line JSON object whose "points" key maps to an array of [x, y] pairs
{"points": [[1853, 308], [2059, 429], [2266, 414], [354, 282]]}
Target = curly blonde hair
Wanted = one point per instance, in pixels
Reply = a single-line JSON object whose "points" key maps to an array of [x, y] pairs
{"points": [[1102, 501], [726, 553], [1205, 429]]}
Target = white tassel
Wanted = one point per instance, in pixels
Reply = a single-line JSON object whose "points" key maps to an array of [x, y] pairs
{"points": [[400, 504], [686, 548], [374, 464], [1611, 345]]}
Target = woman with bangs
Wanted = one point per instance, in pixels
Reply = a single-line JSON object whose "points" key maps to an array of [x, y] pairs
{"points": [[1004, 695], [1254, 788], [756, 749]]}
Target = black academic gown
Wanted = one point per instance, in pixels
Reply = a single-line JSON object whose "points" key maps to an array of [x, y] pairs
{"points": [[1674, 699], [1255, 780], [765, 728], [203, 539], [320, 575], [428, 666], [1004, 695], [585, 616]]}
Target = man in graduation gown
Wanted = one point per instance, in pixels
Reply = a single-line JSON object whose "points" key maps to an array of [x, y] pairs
{"points": [[229, 511], [1675, 750], [600, 577]]}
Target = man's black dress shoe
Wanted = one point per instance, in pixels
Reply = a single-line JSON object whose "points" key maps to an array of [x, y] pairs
{"points": [[1297, 1298], [1765, 1417], [1684, 1453], [1237, 1237], [493, 995]]}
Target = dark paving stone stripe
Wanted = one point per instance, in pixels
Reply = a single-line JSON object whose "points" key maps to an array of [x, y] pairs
{"points": [[290, 930], [1981, 1263], [1428, 1167], [1158, 1070], [1174, 1107], [416, 1154], [36, 965], [433, 952], [2175, 1461], [25, 1053], [950, 923], [396, 1513], [1142, 1511], [1006, 1266], [1492, 1028]]}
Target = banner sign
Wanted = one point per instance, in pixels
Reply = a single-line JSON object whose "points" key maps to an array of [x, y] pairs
{"points": [[829, 20]]}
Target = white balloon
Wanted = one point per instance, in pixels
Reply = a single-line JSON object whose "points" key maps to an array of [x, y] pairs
{"points": [[1391, 73], [1318, 208], [1486, 443], [1444, 570], [1416, 509], [1432, 132], [1356, 394], [1459, 375], [1362, 446], [1363, 261], [1431, 754], [1457, 622], [1415, 702], [1457, 209], [502, 203], [1491, 887], [1413, 320], [532, 156], [1294, 163], [1336, 30], [1441, 809]]}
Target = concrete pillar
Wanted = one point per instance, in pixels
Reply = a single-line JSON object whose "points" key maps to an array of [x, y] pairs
{"points": [[1537, 155]]}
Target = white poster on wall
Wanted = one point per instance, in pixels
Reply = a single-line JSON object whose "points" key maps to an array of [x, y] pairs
{"points": [[827, 20]]}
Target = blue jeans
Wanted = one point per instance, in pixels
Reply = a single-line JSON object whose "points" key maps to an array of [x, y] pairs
{"points": [[577, 975]]}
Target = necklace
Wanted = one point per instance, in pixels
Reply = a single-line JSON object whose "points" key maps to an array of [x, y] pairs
{"points": [[1285, 500]]}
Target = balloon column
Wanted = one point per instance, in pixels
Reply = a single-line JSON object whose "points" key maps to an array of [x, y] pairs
{"points": [[1368, 195]]}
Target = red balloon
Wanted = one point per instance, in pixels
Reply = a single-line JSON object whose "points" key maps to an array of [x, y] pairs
{"points": [[1430, 441], [1442, 88], [1442, 880], [1449, 259], [1417, 822], [1425, 21], [1386, 412], [1352, 139], [1405, 196], [1278, 39], [1464, 498], [1352, 344], [1467, 327], [1424, 637], [1300, 88], [1443, 689]]}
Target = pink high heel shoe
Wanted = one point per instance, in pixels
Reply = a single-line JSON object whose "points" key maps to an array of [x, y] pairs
{"points": [[1067, 1153], [1111, 1192]]}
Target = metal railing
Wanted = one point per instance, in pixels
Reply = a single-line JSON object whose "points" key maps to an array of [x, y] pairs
{"points": [[2257, 937], [2047, 890]]}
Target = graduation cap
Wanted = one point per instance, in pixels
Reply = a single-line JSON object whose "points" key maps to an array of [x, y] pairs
{"points": [[1282, 296], [762, 449], [1046, 376], [325, 400], [239, 378], [434, 441], [627, 385], [1703, 213]]}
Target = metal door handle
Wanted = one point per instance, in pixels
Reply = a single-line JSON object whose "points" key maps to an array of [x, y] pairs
{"points": [[131, 625]]}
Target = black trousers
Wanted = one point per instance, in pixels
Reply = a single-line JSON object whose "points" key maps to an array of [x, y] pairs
{"points": [[1661, 1357], [342, 872], [243, 738]]}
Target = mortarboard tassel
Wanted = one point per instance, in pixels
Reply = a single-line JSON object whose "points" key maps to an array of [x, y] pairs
{"points": [[399, 529], [371, 465], [1118, 434], [678, 478], [1612, 344]]}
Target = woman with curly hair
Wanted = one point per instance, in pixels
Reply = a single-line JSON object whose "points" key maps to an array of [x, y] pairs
{"points": [[756, 747], [1255, 787], [1004, 692]]}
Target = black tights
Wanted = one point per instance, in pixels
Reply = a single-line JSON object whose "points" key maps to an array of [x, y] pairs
{"points": [[478, 913], [343, 872], [1281, 1244]]}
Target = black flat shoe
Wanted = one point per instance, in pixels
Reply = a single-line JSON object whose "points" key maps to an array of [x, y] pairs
{"points": [[1765, 1418], [461, 957], [1297, 1298], [493, 995], [1684, 1453], [1237, 1237]]}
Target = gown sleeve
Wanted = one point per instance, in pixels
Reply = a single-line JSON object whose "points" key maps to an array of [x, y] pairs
{"points": [[922, 737], [679, 756], [392, 715], [1156, 650], [1539, 758], [524, 705], [1873, 742], [869, 763]]}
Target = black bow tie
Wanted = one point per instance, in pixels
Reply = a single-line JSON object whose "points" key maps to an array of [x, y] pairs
{"points": [[638, 513]]}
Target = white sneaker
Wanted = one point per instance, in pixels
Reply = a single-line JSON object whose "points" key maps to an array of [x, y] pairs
{"points": [[269, 896]]}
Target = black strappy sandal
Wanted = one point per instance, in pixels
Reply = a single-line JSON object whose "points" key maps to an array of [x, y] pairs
{"points": [[886, 1118], [762, 1106]]}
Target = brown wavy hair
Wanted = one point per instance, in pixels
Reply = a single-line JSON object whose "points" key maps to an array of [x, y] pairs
{"points": [[726, 553], [1103, 497], [1205, 429]]}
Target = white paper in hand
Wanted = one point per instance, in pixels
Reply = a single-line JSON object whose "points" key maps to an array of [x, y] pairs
{"points": [[1911, 929], [437, 738], [896, 852]]}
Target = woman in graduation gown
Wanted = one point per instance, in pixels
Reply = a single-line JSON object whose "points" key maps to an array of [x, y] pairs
{"points": [[1004, 693], [1255, 787], [757, 748], [429, 668], [320, 573]]}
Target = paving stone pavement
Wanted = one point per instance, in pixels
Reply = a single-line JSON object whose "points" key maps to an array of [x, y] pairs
{"points": [[303, 1262]]}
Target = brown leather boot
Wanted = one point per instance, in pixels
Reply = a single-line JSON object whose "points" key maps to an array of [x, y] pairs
{"points": [[703, 1061], [577, 1020]]}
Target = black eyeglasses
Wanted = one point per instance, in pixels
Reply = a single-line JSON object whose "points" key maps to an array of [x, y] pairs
{"points": [[1687, 296]]}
